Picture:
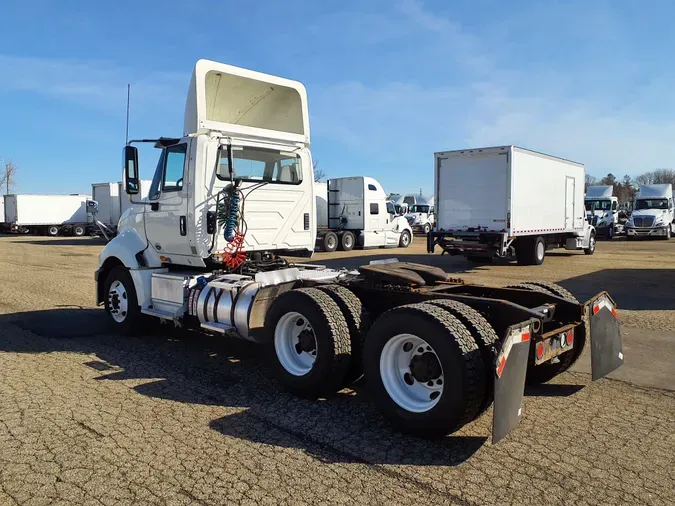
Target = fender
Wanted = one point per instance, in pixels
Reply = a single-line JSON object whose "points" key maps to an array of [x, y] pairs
{"points": [[130, 250], [587, 236]]}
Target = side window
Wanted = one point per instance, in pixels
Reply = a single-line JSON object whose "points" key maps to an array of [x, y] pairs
{"points": [[372, 187], [431, 210], [390, 208], [375, 208], [614, 206], [173, 168]]}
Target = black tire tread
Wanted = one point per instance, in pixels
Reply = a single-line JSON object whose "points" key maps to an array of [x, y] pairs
{"points": [[358, 322], [339, 331], [475, 378], [555, 289], [483, 334]]}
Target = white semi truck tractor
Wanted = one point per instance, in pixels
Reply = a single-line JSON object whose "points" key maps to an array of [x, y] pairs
{"points": [[235, 195], [653, 214], [602, 209]]}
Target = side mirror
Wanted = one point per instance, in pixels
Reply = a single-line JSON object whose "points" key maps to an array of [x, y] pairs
{"points": [[131, 179]]}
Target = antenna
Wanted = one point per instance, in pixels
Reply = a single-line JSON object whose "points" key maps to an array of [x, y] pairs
{"points": [[126, 140]]}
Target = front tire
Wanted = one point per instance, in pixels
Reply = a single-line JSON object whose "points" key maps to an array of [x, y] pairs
{"points": [[424, 370], [591, 245], [427, 228], [310, 347], [121, 302], [404, 240]]}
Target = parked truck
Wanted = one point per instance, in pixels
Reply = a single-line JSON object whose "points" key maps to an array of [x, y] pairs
{"points": [[509, 202], [652, 214], [358, 214], [207, 250], [421, 215], [602, 210], [47, 214]]}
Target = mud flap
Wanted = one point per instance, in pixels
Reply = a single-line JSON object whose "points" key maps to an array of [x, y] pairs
{"points": [[510, 371], [606, 346]]}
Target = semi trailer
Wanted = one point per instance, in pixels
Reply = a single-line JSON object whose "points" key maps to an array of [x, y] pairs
{"points": [[47, 214], [358, 214], [602, 209], [505, 202], [233, 198], [653, 214]]}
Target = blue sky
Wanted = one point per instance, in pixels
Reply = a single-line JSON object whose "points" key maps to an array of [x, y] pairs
{"points": [[389, 81]]}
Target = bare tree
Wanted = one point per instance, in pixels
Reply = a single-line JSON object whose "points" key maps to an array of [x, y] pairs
{"points": [[318, 173], [8, 177], [658, 176], [589, 181]]}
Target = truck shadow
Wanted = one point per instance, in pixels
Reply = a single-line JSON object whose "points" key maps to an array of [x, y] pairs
{"points": [[67, 241], [636, 289], [193, 368], [450, 264]]}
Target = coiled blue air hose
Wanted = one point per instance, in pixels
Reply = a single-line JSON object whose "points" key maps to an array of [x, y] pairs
{"points": [[232, 216]]}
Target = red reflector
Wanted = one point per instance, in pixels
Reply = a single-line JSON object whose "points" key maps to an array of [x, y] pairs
{"points": [[525, 337], [540, 350], [614, 312], [570, 338], [596, 308], [500, 368]]}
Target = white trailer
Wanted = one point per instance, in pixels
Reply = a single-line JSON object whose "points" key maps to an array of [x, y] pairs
{"points": [[602, 209], [47, 214], [2, 211], [359, 215], [321, 195], [653, 214], [113, 201], [508, 201], [208, 250]]}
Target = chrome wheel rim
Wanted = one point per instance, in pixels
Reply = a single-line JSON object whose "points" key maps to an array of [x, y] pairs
{"points": [[540, 250], [295, 344], [411, 373], [118, 302], [406, 238]]}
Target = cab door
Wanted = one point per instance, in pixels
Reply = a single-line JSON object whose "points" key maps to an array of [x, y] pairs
{"points": [[166, 222]]}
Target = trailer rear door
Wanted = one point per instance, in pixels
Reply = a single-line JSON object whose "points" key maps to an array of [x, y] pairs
{"points": [[472, 190], [569, 202]]}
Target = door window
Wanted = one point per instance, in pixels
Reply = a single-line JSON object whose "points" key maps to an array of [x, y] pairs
{"points": [[173, 168], [390, 208]]}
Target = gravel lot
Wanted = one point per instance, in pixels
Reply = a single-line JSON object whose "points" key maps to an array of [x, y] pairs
{"points": [[89, 417]]}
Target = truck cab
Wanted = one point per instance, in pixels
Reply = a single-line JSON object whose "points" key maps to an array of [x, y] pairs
{"points": [[602, 209], [421, 214], [653, 213]]}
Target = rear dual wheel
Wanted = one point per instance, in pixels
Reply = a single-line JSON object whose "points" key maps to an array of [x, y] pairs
{"points": [[530, 250]]}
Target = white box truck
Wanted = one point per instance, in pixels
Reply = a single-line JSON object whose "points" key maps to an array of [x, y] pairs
{"points": [[210, 252], [47, 214], [652, 214], [358, 214], [508, 201], [602, 209]]}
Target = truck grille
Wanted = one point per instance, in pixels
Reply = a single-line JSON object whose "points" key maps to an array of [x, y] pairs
{"points": [[643, 221]]}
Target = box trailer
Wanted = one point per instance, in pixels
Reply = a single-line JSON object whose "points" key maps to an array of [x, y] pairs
{"points": [[2, 210], [508, 201], [358, 214], [112, 202], [47, 214]]}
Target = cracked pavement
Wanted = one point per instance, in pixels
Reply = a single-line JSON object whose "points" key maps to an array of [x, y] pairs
{"points": [[169, 417]]}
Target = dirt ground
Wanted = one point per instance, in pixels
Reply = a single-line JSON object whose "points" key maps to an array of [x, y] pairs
{"points": [[165, 417]]}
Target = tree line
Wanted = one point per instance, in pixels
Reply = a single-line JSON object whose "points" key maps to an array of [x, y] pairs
{"points": [[626, 187]]}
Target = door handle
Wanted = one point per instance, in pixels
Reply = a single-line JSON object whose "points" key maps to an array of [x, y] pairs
{"points": [[183, 225]]}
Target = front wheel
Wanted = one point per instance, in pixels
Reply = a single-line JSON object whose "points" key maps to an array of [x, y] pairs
{"points": [[121, 302], [591, 245], [404, 241], [427, 228]]}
